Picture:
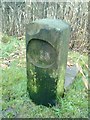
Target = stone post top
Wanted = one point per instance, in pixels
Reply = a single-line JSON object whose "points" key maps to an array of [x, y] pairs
{"points": [[52, 23]]}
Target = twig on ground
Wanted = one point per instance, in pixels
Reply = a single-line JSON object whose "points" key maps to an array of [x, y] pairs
{"points": [[87, 85]]}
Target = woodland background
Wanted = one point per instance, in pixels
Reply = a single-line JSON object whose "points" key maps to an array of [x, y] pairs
{"points": [[15, 16]]}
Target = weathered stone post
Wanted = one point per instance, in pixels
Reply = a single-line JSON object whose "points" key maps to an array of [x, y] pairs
{"points": [[46, 54]]}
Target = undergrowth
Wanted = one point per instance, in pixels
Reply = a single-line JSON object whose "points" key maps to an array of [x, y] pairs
{"points": [[15, 100]]}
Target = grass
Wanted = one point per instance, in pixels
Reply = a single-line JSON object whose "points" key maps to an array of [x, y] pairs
{"points": [[15, 100]]}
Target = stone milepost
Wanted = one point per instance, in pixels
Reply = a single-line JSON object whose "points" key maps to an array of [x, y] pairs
{"points": [[46, 56]]}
